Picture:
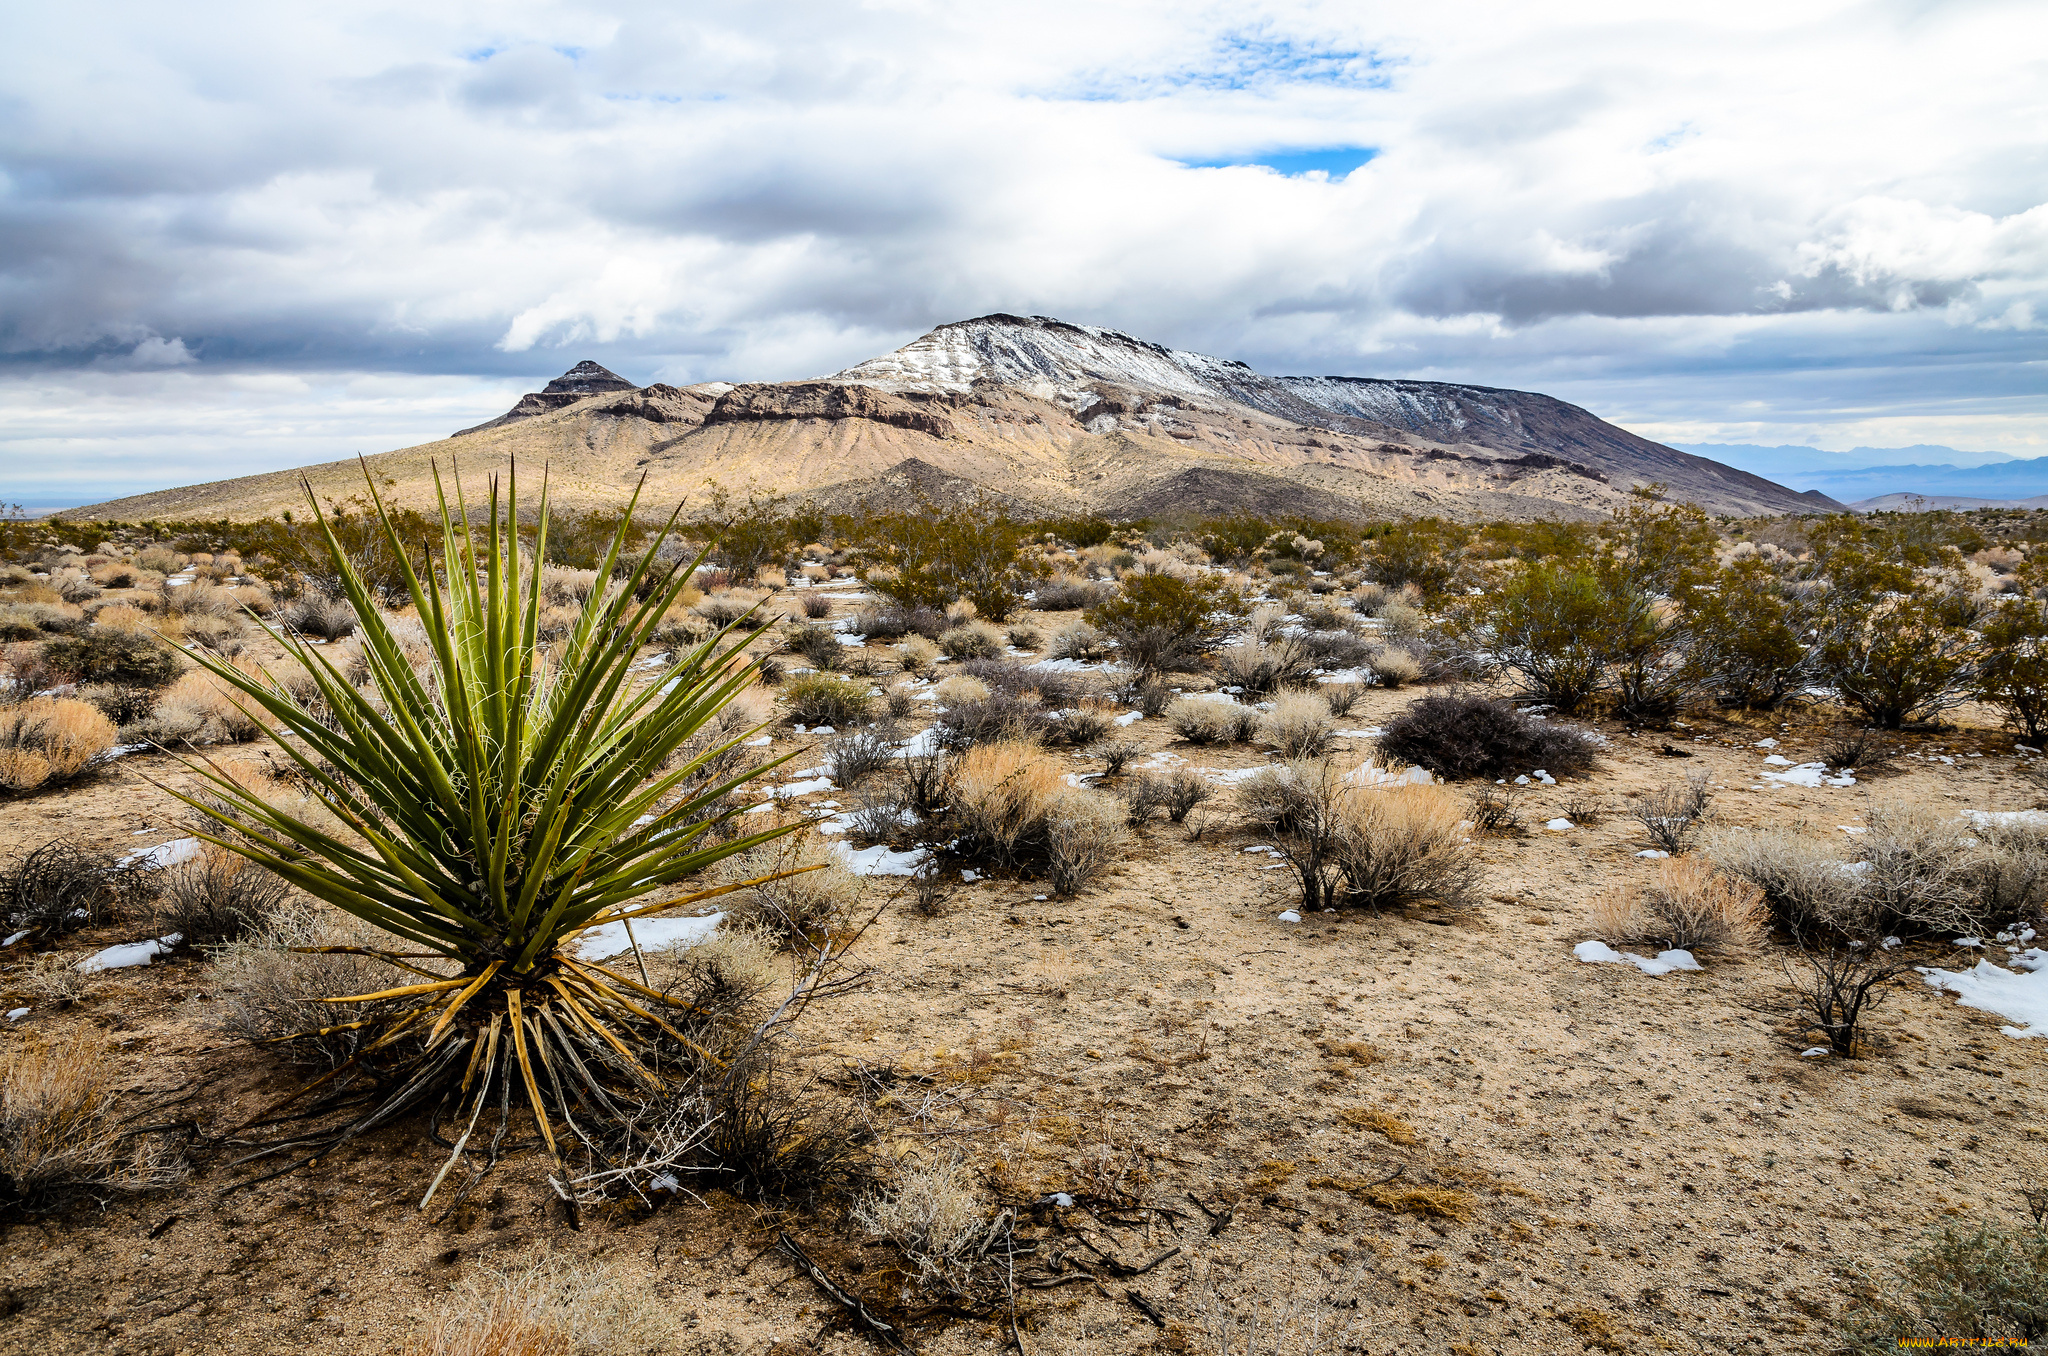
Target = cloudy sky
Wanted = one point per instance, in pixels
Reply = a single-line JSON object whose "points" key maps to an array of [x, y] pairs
{"points": [[238, 237]]}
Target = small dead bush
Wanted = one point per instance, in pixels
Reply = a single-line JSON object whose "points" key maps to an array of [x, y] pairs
{"points": [[917, 655], [818, 645], [1673, 815], [1915, 871], [554, 1307], [62, 1129], [1024, 637], [889, 623], [1299, 725], [823, 699], [1079, 641], [934, 1216], [1403, 844], [961, 688], [1394, 667], [1084, 838], [1260, 668], [63, 886], [1492, 811], [1079, 726], [1835, 986], [1688, 906], [734, 607], [1466, 735], [48, 742], [800, 909], [269, 990], [1858, 751], [316, 614], [1808, 889], [1152, 697], [853, 758], [1341, 696], [816, 606], [1116, 754], [217, 897], [999, 718], [200, 709], [1068, 593]]}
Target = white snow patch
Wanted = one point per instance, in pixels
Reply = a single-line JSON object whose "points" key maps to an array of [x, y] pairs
{"points": [[130, 953], [1369, 732], [1365, 774], [1808, 774], [1817, 1052], [164, 854], [1133, 717], [2033, 819], [803, 788], [1290, 917], [1654, 854], [1663, 963], [17, 1014], [2022, 996], [1560, 825], [880, 860], [654, 934]]}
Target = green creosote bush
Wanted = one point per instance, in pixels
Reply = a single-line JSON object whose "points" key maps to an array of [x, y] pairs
{"points": [[932, 556], [827, 699], [1163, 623], [114, 658]]}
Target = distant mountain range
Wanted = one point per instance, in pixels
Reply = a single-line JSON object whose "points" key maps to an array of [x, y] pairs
{"points": [[1046, 417], [1867, 473]]}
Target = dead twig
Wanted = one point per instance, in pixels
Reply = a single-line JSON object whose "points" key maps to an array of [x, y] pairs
{"points": [[1144, 1306], [850, 1303]]}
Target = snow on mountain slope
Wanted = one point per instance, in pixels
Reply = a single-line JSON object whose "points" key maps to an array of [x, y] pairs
{"points": [[1062, 361]]}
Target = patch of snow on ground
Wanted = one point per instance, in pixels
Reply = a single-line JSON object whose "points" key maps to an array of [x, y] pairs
{"points": [[654, 934], [880, 860], [1228, 777], [130, 953], [2033, 819], [1133, 717], [1363, 677], [1560, 825], [1290, 917], [1365, 774], [1369, 732], [1663, 963], [164, 854], [1807, 774], [2020, 995]]}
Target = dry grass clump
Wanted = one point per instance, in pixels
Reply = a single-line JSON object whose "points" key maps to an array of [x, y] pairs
{"points": [[1067, 593], [316, 614], [122, 617], [1808, 889], [728, 606], [217, 897], [961, 688], [1432, 1201], [975, 640], [221, 634], [1261, 667], [1395, 667], [268, 990], [1002, 792], [823, 699], [563, 586], [933, 1215], [1398, 845], [200, 597], [46, 742], [1299, 725], [917, 654], [200, 709], [30, 621], [62, 1130], [62, 886], [1078, 640], [1689, 906], [1386, 1123], [1203, 720], [554, 1307]]}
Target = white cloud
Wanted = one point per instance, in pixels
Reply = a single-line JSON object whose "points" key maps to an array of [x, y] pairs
{"points": [[1832, 212]]}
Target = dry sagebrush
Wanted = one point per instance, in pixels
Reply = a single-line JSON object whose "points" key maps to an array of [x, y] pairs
{"points": [[1687, 906], [62, 1131], [46, 742]]}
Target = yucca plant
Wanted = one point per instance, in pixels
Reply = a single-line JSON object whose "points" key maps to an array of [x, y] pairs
{"points": [[500, 803]]}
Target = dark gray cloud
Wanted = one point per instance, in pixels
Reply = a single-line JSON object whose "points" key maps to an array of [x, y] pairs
{"points": [[1767, 221]]}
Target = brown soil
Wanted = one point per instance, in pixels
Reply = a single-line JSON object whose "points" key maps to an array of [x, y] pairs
{"points": [[1646, 1163]]}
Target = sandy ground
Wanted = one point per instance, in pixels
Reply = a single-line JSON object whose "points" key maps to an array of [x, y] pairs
{"points": [[1651, 1164]]}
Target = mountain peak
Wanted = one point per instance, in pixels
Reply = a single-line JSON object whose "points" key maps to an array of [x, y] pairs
{"points": [[587, 379]]}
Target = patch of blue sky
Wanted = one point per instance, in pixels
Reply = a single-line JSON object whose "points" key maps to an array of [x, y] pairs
{"points": [[1334, 161], [1243, 60]]}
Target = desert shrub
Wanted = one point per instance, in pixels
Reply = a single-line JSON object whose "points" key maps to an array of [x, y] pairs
{"points": [[1078, 641], [2013, 677], [928, 783], [933, 1215], [160, 559], [1688, 906], [1673, 814], [1084, 837], [1336, 649], [63, 886], [1807, 888], [800, 909], [1259, 668], [1024, 637], [1853, 750], [1083, 724], [1989, 1284], [817, 644], [1151, 697], [1342, 697], [1163, 623], [899, 702], [976, 640], [1394, 667], [1182, 790], [217, 897], [1750, 630], [269, 989], [1835, 986], [824, 699], [73, 586], [933, 556], [1001, 794], [33, 621], [1916, 874], [852, 758], [1142, 795], [121, 617], [816, 606], [892, 622], [734, 607], [63, 1130], [316, 614], [1467, 735], [222, 635], [1492, 811], [1002, 717], [1900, 657], [1422, 553], [1116, 754], [1201, 720], [200, 709], [1067, 593], [1558, 629], [117, 657], [1400, 845], [773, 1133], [878, 816], [46, 742], [1298, 725], [554, 1307], [564, 586], [2008, 871]]}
